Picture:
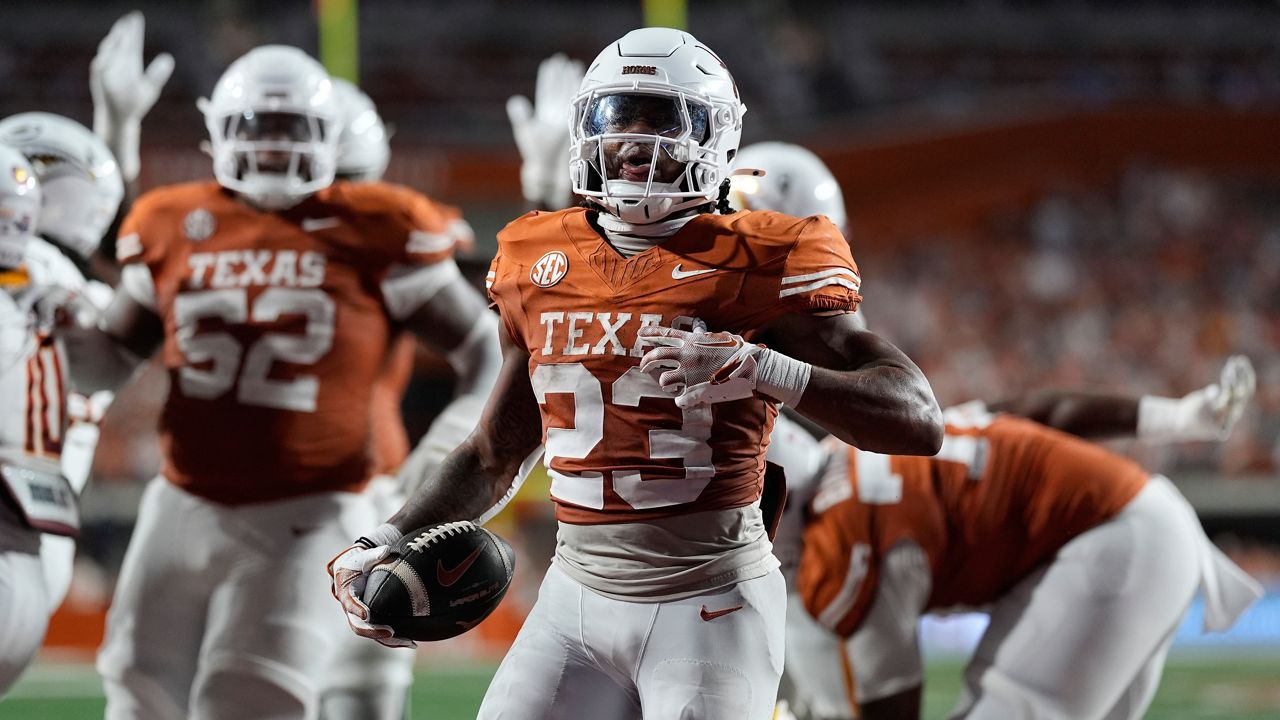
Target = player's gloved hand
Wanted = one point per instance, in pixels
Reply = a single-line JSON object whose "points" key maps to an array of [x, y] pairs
{"points": [[59, 309], [703, 368], [1206, 414], [123, 92], [541, 129], [349, 573]]}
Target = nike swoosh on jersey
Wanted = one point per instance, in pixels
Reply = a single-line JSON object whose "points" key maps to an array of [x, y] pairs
{"points": [[678, 274], [314, 224], [708, 616], [449, 577]]}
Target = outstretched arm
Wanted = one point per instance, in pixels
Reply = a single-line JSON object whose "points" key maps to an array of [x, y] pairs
{"points": [[1206, 414]]}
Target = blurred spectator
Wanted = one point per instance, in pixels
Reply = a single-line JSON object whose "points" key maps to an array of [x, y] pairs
{"points": [[1146, 289]]}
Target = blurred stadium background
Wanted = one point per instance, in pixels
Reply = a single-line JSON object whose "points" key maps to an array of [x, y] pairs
{"points": [[1040, 192]]}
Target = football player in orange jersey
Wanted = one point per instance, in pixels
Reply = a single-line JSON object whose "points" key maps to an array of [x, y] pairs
{"points": [[273, 294], [664, 599], [1085, 562]]}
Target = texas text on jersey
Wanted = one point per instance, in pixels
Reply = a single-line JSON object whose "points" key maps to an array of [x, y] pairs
{"points": [[617, 447], [271, 319], [1000, 498]]}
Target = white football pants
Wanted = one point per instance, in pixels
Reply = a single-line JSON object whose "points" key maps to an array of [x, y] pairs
{"points": [[225, 612], [583, 655], [24, 612], [1085, 638]]}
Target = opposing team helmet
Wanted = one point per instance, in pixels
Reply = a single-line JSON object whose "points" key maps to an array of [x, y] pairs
{"points": [[79, 180], [19, 206], [364, 147], [682, 95], [795, 182], [273, 126]]}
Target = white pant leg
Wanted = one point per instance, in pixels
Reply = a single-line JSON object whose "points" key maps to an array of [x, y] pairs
{"points": [[727, 667], [157, 618], [24, 613], [1136, 698], [814, 676], [549, 673], [1068, 641], [58, 554], [272, 623]]}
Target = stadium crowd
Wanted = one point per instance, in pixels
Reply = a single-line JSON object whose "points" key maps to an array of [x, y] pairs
{"points": [[1143, 286]]}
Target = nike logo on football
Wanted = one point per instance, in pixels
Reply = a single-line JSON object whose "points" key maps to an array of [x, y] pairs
{"points": [[314, 224], [449, 577], [678, 274], [709, 616]]}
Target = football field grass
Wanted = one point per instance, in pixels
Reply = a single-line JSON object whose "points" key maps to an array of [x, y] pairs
{"points": [[1234, 689]]}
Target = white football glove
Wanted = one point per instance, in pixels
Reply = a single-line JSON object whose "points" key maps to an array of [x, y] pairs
{"points": [[123, 92], [1209, 413], [542, 132], [349, 573], [703, 368]]}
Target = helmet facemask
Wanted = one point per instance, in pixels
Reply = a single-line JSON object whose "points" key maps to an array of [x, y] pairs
{"points": [[645, 152], [275, 157]]}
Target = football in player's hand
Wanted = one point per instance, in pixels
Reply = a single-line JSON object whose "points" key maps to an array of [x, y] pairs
{"points": [[440, 581]]}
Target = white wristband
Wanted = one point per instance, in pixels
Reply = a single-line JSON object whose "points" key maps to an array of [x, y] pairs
{"points": [[1162, 418], [780, 377], [384, 534]]}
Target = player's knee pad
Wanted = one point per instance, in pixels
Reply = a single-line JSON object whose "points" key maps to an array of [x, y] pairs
{"points": [[252, 688], [132, 694], [384, 703]]}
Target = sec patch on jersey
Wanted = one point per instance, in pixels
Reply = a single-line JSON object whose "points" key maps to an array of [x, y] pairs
{"points": [[440, 581]]}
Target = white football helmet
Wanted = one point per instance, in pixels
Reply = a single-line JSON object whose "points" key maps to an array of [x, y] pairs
{"points": [[364, 147], [273, 126], [690, 113], [79, 179], [19, 206], [795, 182]]}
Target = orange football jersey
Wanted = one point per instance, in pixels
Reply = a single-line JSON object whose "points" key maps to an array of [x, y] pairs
{"points": [[1000, 498], [617, 447], [276, 325]]}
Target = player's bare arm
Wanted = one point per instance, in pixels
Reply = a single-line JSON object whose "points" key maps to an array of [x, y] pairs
{"points": [[480, 470], [1205, 414], [861, 388]]}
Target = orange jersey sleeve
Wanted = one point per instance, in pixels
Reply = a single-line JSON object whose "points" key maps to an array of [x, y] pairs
{"points": [[820, 274], [866, 504], [398, 225]]}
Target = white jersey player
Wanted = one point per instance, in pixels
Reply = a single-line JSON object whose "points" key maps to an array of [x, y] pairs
{"points": [[82, 189], [39, 299]]}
